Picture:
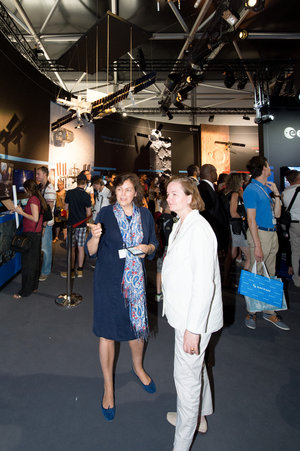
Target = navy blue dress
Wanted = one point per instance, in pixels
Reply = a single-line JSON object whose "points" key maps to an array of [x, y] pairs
{"points": [[111, 316]]}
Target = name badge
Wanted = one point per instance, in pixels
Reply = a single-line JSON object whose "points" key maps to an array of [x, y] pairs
{"points": [[122, 253]]}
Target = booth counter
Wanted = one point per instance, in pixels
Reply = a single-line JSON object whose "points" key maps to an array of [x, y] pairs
{"points": [[10, 262]]}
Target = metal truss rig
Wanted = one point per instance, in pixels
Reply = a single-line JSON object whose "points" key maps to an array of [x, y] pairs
{"points": [[189, 111]]}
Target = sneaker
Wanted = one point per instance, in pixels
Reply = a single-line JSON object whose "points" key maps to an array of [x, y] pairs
{"points": [[64, 274], [276, 320], [79, 273], [202, 426], [43, 277], [158, 297], [250, 321]]}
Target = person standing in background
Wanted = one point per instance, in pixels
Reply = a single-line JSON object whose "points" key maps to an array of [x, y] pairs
{"points": [[102, 195], [78, 205], [48, 192], [293, 177], [59, 220], [262, 211], [32, 228]]}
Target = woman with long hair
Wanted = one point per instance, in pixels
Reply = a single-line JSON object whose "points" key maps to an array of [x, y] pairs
{"points": [[123, 234], [237, 216], [32, 227], [193, 305]]}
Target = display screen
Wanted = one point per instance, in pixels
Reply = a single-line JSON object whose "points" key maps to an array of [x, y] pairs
{"points": [[6, 179], [20, 176]]}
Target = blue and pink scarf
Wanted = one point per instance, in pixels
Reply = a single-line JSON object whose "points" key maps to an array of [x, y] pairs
{"points": [[133, 282]]}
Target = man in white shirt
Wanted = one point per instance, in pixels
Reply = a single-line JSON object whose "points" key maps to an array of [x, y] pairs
{"points": [[48, 191], [293, 177], [102, 194]]}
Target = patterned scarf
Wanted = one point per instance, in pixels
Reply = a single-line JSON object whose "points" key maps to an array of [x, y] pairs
{"points": [[133, 283]]}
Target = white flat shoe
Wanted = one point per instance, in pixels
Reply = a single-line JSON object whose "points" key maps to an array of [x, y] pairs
{"points": [[202, 427]]}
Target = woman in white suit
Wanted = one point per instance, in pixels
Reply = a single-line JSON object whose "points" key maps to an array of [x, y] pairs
{"points": [[193, 306]]}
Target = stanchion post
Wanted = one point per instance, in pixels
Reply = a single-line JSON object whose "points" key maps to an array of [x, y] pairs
{"points": [[69, 299]]}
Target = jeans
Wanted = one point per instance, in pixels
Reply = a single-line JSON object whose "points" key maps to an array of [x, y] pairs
{"points": [[47, 251]]}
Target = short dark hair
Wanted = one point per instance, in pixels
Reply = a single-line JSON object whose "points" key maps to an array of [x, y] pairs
{"points": [[120, 179], [256, 165], [98, 181], [292, 176], [191, 169], [45, 170]]}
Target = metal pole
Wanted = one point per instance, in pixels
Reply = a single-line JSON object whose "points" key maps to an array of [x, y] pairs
{"points": [[69, 299]]}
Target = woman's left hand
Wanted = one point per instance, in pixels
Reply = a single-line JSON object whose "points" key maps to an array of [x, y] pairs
{"points": [[144, 248], [191, 343]]}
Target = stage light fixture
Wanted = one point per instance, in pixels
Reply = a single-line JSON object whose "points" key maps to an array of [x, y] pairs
{"points": [[179, 105], [297, 96], [243, 34], [211, 118], [170, 115], [246, 118], [229, 79], [255, 5], [250, 3], [242, 83], [172, 81], [230, 17]]}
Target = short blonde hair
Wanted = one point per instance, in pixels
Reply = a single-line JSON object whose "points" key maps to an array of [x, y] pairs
{"points": [[189, 188]]}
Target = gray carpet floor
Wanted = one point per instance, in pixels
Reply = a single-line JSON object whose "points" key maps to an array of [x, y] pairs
{"points": [[51, 383]]}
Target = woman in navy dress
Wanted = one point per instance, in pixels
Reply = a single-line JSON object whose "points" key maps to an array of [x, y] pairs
{"points": [[120, 309]]}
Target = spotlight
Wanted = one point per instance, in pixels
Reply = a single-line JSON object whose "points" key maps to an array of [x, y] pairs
{"points": [[170, 115], [297, 96], [230, 17], [124, 114], [179, 105], [243, 34], [250, 3], [193, 79], [246, 118], [172, 81], [255, 5], [211, 118], [229, 78]]}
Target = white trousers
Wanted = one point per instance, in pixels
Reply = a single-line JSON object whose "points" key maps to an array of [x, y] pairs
{"points": [[193, 391]]}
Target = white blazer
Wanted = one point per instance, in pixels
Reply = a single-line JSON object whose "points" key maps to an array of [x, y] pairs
{"points": [[191, 280]]}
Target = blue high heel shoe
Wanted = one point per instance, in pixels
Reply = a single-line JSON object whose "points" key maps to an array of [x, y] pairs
{"points": [[150, 388], [109, 414]]}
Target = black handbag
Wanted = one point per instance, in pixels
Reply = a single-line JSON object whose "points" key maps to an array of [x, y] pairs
{"points": [[47, 214], [21, 243]]}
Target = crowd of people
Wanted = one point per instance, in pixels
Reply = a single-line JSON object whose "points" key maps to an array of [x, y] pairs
{"points": [[192, 224]]}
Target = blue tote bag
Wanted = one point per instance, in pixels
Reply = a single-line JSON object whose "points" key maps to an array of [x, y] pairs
{"points": [[261, 292]]}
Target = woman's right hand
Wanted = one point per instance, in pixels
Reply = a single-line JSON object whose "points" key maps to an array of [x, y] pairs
{"points": [[96, 230]]}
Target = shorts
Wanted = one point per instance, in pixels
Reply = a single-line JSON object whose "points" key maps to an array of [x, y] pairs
{"points": [[238, 240], [78, 236]]}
